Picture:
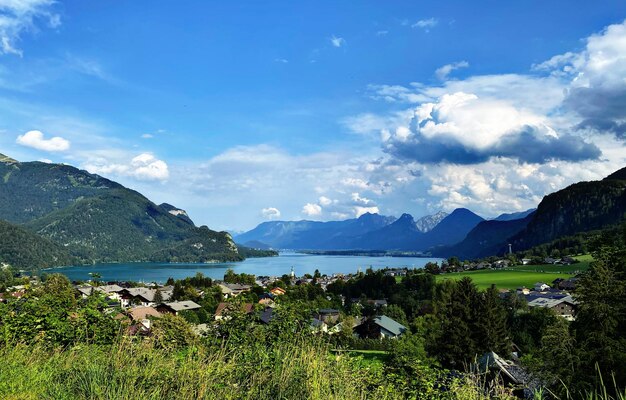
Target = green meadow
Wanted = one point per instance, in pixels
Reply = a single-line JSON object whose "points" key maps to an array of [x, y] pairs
{"points": [[505, 279]]}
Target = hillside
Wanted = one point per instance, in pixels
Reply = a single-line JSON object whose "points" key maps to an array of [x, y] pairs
{"points": [[581, 207], [23, 249], [98, 220], [452, 229]]}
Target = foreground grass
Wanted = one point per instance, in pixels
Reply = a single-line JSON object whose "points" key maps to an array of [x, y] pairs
{"points": [[140, 371]]}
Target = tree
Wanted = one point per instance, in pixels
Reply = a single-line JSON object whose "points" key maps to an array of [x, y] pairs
{"points": [[490, 323], [158, 296]]}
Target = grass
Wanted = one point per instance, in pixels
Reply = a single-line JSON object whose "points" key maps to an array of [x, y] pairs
{"points": [[505, 279], [367, 358]]}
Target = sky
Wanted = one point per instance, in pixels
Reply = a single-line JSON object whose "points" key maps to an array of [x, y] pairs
{"points": [[243, 111]]}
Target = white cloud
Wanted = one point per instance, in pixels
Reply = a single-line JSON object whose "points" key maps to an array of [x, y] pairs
{"points": [[19, 16], [147, 167], [358, 211], [147, 136], [35, 139], [270, 213], [312, 210], [144, 167], [337, 41], [426, 24], [325, 201], [443, 72], [281, 60], [382, 33]]}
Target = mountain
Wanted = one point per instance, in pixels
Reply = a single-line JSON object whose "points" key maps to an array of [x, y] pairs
{"points": [[452, 229], [402, 234], [428, 222], [516, 215], [619, 175], [313, 234], [177, 212], [581, 207], [23, 249], [486, 239], [98, 220]]}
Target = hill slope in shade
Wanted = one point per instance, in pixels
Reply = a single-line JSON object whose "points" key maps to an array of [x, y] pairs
{"points": [[23, 249], [516, 215], [98, 220], [581, 207]]}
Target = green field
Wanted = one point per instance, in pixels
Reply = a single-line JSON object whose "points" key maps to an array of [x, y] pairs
{"points": [[508, 279], [374, 359]]}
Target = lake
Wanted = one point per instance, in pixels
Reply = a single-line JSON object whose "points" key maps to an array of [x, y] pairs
{"points": [[270, 266]]}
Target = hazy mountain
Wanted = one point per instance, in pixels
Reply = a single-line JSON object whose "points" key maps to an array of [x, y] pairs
{"points": [[428, 222], [516, 215], [402, 234], [96, 219], [486, 239], [452, 229], [313, 234]]}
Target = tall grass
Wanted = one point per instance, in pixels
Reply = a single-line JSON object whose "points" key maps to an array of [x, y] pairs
{"points": [[128, 370]]}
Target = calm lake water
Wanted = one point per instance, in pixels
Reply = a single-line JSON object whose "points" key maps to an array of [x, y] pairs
{"points": [[271, 266]]}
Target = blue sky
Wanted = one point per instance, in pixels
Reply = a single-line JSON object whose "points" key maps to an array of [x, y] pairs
{"points": [[242, 112]]}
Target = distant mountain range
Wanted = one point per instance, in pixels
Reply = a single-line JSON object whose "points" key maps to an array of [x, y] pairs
{"points": [[368, 232], [72, 216], [581, 207]]}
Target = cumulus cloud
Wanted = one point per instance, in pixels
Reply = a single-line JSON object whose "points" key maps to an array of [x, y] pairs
{"points": [[144, 167], [443, 72], [147, 167], [465, 129], [36, 140], [597, 91], [325, 201], [147, 136], [358, 211], [19, 16], [312, 210], [270, 213], [337, 41], [426, 24]]}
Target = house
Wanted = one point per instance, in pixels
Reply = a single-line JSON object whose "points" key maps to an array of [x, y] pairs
{"points": [[233, 289], [540, 287], [380, 327], [143, 296], [110, 291], [224, 309], [178, 306], [568, 284], [501, 264], [550, 260], [278, 291], [318, 326], [526, 261], [564, 307], [523, 290], [327, 315]]}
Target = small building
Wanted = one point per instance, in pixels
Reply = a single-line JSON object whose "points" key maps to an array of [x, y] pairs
{"points": [[380, 327], [224, 309], [142, 296], [278, 291], [540, 287], [177, 306], [233, 289], [564, 307], [328, 315], [318, 326]]}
